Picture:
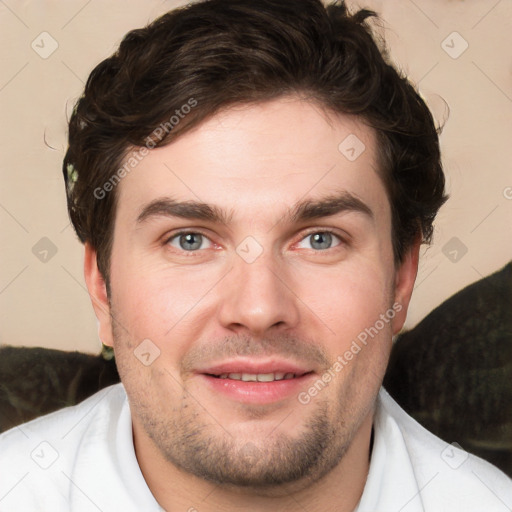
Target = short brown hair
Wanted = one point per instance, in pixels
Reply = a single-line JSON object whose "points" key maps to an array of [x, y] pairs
{"points": [[222, 52]]}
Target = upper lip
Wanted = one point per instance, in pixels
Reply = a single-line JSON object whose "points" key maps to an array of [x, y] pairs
{"points": [[253, 366]]}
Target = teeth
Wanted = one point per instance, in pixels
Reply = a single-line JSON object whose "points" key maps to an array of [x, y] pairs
{"points": [[265, 377], [257, 377]]}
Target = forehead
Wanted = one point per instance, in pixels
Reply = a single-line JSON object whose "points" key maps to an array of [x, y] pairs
{"points": [[254, 161]]}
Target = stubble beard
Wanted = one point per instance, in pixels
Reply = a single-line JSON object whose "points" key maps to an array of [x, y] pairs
{"points": [[194, 441]]}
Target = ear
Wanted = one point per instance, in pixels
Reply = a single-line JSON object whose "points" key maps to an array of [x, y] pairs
{"points": [[405, 278], [98, 293]]}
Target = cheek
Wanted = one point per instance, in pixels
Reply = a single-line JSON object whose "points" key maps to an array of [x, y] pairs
{"points": [[160, 304], [349, 299]]}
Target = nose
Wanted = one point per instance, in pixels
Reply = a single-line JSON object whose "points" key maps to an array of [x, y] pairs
{"points": [[257, 297]]}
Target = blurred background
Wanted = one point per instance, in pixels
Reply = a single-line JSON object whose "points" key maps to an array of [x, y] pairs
{"points": [[457, 52]]}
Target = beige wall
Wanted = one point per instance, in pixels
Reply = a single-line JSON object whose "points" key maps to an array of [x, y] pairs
{"points": [[46, 304]]}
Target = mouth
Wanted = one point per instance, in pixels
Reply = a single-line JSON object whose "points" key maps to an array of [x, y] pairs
{"points": [[258, 377], [254, 382]]}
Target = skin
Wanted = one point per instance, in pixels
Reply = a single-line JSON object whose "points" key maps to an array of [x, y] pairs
{"points": [[197, 448]]}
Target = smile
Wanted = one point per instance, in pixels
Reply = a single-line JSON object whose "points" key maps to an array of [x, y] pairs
{"points": [[257, 377]]}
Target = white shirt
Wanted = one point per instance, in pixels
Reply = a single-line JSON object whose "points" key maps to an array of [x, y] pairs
{"points": [[82, 458]]}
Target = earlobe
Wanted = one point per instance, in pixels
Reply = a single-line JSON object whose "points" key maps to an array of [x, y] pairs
{"points": [[405, 278], [98, 293]]}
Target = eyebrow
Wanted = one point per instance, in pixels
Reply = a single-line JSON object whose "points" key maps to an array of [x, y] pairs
{"points": [[312, 209], [307, 210]]}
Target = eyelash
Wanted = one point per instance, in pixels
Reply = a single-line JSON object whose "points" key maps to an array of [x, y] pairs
{"points": [[343, 240]]}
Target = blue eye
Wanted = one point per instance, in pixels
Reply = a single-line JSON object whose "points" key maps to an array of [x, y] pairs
{"points": [[321, 240], [191, 241], [188, 241]]}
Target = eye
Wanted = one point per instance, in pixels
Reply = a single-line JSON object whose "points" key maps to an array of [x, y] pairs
{"points": [[320, 240], [189, 241]]}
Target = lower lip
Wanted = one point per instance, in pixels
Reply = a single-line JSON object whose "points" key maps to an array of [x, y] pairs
{"points": [[258, 392]]}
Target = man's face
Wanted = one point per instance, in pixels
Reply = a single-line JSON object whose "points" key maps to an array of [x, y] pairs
{"points": [[274, 288]]}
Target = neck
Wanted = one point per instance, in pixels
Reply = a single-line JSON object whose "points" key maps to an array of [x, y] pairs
{"points": [[339, 490]]}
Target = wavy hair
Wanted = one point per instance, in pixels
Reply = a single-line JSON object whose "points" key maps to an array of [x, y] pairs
{"points": [[223, 52]]}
